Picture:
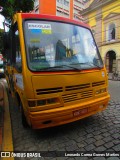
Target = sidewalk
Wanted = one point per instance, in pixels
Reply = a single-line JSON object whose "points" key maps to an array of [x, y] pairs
{"points": [[1, 114], [6, 143], [110, 77]]}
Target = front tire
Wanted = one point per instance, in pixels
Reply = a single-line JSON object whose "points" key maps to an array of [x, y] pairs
{"points": [[23, 118]]}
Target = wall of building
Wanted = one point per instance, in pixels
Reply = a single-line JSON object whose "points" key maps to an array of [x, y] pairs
{"points": [[111, 15], [100, 20], [48, 7], [65, 8], [112, 8], [92, 19]]}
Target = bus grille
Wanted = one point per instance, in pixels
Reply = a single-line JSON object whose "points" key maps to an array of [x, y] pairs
{"points": [[49, 90], [74, 96], [76, 87], [98, 83], [77, 96]]}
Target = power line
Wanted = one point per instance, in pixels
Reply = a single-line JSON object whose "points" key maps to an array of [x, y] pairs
{"points": [[108, 41], [105, 30], [104, 11]]}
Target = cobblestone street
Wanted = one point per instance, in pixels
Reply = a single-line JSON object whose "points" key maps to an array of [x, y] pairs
{"points": [[59, 79], [100, 132]]}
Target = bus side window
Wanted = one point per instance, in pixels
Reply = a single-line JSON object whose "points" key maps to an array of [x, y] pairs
{"points": [[18, 60]]}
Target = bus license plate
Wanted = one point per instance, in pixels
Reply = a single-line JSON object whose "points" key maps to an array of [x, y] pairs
{"points": [[80, 112]]}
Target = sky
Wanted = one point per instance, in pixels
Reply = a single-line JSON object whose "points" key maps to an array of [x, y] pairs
{"points": [[1, 21]]}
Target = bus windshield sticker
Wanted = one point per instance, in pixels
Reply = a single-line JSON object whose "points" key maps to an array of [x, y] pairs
{"points": [[33, 40], [46, 31], [36, 31], [40, 28]]}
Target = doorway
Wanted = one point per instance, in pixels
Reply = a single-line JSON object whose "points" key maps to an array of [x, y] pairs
{"points": [[110, 61]]}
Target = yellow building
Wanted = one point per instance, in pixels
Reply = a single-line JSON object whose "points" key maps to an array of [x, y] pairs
{"points": [[104, 18]]}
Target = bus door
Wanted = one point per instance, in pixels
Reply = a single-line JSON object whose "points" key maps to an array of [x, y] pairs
{"points": [[15, 67]]}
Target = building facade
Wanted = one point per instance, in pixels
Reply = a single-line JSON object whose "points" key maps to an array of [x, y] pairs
{"points": [[104, 18], [65, 8]]}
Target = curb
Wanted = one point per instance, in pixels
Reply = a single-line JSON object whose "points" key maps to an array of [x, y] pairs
{"points": [[1, 114], [7, 141]]}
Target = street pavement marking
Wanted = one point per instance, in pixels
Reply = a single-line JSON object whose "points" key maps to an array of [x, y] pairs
{"points": [[7, 132]]}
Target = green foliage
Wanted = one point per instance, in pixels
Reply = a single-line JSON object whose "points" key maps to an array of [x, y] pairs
{"points": [[10, 7]]}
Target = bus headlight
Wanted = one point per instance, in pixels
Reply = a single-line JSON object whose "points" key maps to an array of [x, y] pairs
{"points": [[101, 91], [43, 102], [31, 103]]}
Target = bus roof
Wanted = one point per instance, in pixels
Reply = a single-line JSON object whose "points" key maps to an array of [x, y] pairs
{"points": [[52, 17]]}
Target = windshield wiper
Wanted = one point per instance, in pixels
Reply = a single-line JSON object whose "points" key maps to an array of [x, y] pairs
{"points": [[88, 63], [96, 65], [60, 66]]}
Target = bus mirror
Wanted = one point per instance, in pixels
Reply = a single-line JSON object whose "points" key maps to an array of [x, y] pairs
{"points": [[6, 40]]}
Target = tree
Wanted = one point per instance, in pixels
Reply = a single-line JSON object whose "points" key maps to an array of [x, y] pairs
{"points": [[1, 40], [10, 7]]}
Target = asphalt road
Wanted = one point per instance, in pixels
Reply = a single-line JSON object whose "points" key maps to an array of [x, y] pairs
{"points": [[100, 132]]}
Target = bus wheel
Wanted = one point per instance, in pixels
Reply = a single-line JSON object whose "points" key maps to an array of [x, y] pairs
{"points": [[23, 118]]}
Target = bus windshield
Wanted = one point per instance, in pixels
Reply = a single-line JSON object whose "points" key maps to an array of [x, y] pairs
{"points": [[56, 46]]}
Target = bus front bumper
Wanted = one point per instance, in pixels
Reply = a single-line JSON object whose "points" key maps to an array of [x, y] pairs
{"points": [[64, 115]]}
